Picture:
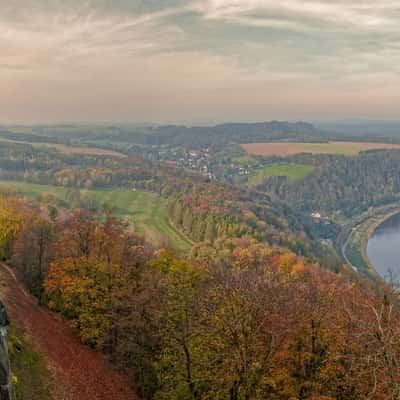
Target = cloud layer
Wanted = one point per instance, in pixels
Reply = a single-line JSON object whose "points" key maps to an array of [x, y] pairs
{"points": [[198, 60]]}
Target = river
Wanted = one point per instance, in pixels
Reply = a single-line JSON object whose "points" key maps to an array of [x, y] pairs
{"points": [[383, 248]]}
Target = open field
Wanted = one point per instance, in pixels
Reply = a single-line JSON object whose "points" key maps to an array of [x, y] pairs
{"points": [[245, 160], [32, 191], [291, 148], [62, 148], [292, 171], [92, 151], [146, 211]]}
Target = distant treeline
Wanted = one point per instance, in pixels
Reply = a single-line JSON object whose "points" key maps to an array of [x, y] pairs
{"points": [[219, 134], [175, 135], [30, 137], [133, 138]]}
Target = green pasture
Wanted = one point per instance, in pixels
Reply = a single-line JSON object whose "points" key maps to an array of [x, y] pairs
{"points": [[146, 211], [293, 171]]}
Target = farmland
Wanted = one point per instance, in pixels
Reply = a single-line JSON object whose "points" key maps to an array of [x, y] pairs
{"points": [[91, 151], [292, 148], [146, 211], [65, 149], [292, 171], [245, 160]]}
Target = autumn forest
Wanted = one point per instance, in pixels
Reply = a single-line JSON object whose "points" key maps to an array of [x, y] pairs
{"points": [[260, 303]]}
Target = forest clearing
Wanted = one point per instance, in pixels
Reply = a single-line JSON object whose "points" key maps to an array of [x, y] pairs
{"points": [[146, 211]]}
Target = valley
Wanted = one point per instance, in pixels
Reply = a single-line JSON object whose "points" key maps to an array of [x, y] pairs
{"points": [[134, 256], [199, 200]]}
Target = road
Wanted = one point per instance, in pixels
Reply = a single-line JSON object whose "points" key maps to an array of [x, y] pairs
{"points": [[79, 372], [344, 237], [343, 249]]}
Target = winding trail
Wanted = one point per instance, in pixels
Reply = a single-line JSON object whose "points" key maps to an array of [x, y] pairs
{"points": [[80, 373]]}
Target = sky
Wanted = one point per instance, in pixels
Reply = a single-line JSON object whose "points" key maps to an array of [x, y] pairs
{"points": [[198, 61]]}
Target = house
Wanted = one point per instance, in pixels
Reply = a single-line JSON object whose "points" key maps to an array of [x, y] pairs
{"points": [[316, 215]]}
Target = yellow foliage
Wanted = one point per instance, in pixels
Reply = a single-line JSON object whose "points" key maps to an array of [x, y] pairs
{"points": [[80, 289]]}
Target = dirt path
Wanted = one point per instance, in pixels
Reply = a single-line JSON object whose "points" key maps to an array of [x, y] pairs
{"points": [[79, 372]]}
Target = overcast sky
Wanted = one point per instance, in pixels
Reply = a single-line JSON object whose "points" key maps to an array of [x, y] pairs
{"points": [[198, 61]]}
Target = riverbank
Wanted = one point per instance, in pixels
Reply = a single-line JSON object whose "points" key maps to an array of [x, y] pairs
{"points": [[355, 248]]}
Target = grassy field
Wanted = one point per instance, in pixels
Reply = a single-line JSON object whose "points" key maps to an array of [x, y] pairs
{"points": [[62, 148], [146, 211], [292, 171], [91, 151], [245, 160], [290, 148]]}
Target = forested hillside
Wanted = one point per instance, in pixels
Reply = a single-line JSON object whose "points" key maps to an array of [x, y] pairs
{"points": [[347, 184], [235, 320], [259, 308]]}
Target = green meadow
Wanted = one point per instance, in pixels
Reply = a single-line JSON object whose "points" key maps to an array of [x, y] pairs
{"points": [[146, 211], [245, 160], [292, 171]]}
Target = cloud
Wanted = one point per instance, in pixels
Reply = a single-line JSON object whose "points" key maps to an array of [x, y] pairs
{"points": [[295, 33], [39, 35], [368, 15], [161, 59]]}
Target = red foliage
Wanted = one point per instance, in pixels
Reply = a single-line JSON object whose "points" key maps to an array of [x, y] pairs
{"points": [[80, 372]]}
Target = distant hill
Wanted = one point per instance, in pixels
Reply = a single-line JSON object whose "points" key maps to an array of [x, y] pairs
{"points": [[206, 136], [219, 134], [362, 128], [191, 136]]}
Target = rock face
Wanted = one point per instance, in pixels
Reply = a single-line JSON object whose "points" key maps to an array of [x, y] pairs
{"points": [[5, 373]]}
